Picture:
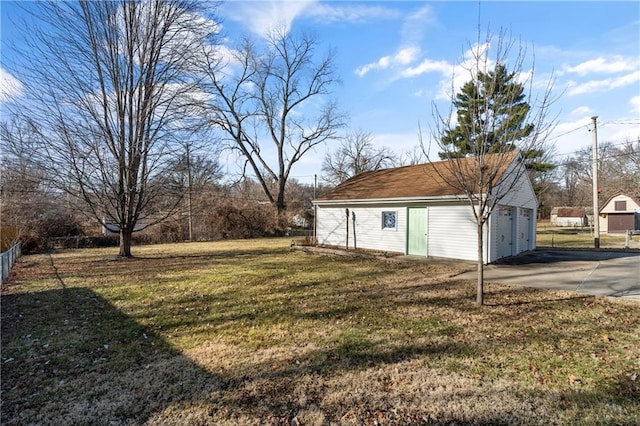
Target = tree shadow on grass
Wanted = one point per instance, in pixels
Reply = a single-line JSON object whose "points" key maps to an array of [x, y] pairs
{"points": [[70, 357]]}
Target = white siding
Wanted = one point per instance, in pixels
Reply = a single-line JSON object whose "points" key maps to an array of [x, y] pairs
{"points": [[492, 255], [522, 230], [604, 223], [610, 206], [330, 225], [452, 232], [567, 221], [521, 195], [451, 227], [368, 232], [503, 232]]}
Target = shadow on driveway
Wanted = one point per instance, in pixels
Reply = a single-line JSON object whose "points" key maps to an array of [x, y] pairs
{"points": [[556, 255], [595, 272]]}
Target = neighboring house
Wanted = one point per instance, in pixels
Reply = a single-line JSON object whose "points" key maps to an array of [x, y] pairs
{"points": [[412, 210], [619, 214], [569, 216]]}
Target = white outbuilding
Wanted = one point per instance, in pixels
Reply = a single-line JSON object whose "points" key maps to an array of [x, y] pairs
{"points": [[414, 211]]}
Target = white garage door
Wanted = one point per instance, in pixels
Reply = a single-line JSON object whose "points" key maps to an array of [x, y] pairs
{"points": [[524, 230], [504, 232]]}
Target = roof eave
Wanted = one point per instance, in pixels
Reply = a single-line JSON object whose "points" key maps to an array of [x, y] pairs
{"points": [[395, 200]]}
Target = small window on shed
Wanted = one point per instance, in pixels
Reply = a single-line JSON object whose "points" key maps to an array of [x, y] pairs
{"points": [[620, 206]]}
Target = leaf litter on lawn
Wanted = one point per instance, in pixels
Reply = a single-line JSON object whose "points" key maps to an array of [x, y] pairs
{"points": [[249, 333]]}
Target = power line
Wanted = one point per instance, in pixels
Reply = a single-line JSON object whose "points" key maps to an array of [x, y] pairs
{"points": [[568, 132], [604, 145]]}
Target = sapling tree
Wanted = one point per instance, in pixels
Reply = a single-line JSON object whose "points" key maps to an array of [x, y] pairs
{"points": [[494, 131]]}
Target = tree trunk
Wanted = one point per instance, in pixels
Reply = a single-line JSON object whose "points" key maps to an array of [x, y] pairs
{"points": [[281, 209], [125, 242], [280, 203], [480, 287]]}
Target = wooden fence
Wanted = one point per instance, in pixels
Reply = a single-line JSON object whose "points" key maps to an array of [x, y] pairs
{"points": [[8, 258]]}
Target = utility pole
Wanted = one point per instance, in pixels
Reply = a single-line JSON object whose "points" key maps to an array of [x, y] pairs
{"points": [[596, 209], [189, 193], [315, 208]]}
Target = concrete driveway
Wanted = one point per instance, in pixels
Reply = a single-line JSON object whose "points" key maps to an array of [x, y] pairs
{"points": [[595, 272]]}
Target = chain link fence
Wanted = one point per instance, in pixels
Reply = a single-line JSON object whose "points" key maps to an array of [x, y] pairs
{"points": [[8, 258]]}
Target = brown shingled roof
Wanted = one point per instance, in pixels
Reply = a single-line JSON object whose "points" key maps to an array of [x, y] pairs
{"points": [[422, 180], [571, 211]]}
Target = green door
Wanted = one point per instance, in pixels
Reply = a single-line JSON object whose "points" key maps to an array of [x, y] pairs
{"points": [[417, 231]]}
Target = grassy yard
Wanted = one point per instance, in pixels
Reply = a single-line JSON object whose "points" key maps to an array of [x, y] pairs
{"points": [[248, 332], [568, 237]]}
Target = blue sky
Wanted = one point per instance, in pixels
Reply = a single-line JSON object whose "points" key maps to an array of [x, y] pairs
{"points": [[395, 60]]}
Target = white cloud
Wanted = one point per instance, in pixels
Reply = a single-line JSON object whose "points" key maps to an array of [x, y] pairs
{"points": [[331, 12], [398, 142], [582, 111], [407, 55], [612, 65], [635, 105], [602, 85], [415, 25], [10, 87], [262, 17], [408, 51], [570, 136], [574, 134], [428, 65], [381, 63], [403, 56], [617, 133], [474, 59]]}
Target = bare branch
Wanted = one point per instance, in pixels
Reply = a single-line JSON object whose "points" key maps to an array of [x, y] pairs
{"points": [[109, 85], [356, 154], [265, 103], [499, 132]]}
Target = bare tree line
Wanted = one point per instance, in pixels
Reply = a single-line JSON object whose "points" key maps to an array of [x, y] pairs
{"points": [[571, 182], [118, 93], [127, 105]]}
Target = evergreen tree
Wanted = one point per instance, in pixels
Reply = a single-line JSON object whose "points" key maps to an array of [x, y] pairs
{"points": [[491, 112]]}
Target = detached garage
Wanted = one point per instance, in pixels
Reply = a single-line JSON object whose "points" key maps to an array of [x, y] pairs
{"points": [[619, 214], [412, 210]]}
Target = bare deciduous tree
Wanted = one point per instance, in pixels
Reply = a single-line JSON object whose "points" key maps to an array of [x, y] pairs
{"points": [[483, 163], [356, 154], [31, 209], [413, 156], [110, 87], [618, 171], [268, 106]]}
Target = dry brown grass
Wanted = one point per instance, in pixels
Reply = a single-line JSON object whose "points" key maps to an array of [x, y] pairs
{"points": [[578, 237], [250, 333]]}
